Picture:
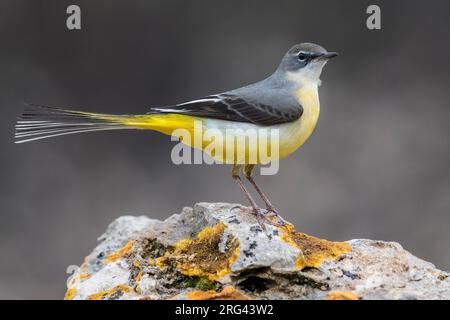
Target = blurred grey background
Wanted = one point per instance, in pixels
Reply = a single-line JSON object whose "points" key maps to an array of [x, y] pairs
{"points": [[376, 167]]}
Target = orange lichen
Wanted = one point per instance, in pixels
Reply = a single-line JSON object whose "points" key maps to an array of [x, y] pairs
{"points": [[227, 293], [78, 276], [314, 251], [108, 294], [139, 276], [120, 253], [84, 276], [201, 256], [137, 263], [342, 295], [70, 293], [152, 262]]}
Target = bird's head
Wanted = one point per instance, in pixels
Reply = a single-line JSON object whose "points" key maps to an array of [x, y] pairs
{"points": [[303, 63]]}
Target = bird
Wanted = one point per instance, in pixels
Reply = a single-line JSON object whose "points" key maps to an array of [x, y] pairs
{"points": [[287, 101]]}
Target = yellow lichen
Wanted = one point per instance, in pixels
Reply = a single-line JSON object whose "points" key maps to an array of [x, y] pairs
{"points": [[106, 294], [70, 293], [78, 276], [314, 251], [227, 293], [84, 276], [342, 295], [139, 276], [152, 262], [120, 253], [137, 263], [201, 256]]}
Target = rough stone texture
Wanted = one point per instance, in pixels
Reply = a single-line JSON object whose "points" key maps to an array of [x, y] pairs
{"points": [[218, 251]]}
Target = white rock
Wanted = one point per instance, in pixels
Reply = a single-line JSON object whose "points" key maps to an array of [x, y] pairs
{"points": [[265, 267]]}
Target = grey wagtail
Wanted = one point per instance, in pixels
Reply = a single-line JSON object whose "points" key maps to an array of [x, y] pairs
{"points": [[287, 101]]}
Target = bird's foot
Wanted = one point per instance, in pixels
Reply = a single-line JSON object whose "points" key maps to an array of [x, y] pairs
{"points": [[263, 216], [272, 212]]}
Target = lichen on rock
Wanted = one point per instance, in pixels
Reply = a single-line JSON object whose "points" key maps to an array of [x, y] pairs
{"points": [[227, 293], [202, 256], [313, 251], [342, 295], [219, 251], [111, 294]]}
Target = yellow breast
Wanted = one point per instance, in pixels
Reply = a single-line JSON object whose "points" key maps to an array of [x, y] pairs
{"points": [[293, 135]]}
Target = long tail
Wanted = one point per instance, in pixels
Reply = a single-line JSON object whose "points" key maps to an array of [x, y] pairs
{"points": [[41, 122]]}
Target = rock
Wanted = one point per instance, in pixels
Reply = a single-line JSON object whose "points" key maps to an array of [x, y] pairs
{"points": [[219, 251]]}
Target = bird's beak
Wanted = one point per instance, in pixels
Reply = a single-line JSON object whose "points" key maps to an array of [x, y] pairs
{"points": [[327, 56]]}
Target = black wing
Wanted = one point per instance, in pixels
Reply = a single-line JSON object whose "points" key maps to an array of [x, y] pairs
{"points": [[233, 107]]}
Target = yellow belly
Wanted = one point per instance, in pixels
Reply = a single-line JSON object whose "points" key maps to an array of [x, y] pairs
{"points": [[291, 135], [296, 133]]}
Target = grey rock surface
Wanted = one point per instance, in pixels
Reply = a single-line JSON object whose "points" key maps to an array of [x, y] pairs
{"points": [[219, 251]]}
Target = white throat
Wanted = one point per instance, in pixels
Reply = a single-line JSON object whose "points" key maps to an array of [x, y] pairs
{"points": [[308, 76]]}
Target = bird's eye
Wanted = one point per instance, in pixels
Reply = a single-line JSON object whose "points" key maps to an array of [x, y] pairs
{"points": [[302, 57]]}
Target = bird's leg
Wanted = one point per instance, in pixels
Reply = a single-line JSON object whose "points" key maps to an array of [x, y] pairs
{"points": [[256, 211], [248, 169]]}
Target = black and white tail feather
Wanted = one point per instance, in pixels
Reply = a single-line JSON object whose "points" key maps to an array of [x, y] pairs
{"points": [[41, 122]]}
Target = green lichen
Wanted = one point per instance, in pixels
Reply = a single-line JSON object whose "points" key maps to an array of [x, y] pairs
{"points": [[199, 283]]}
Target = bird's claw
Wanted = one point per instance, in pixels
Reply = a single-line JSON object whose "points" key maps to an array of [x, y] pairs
{"points": [[260, 217], [264, 216], [273, 213]]}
